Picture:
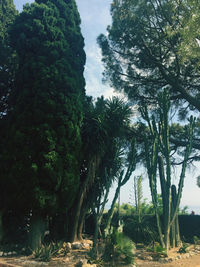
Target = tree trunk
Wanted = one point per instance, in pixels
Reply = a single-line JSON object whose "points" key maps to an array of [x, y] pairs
{"points": [[58, 226], [159, 229], [165, 192], [82, 221], [1, 227], [76, 208], [177, 233], [175, 224], [96, 231], [36, 233], [167, 238], [111, 210], [98, 219]]}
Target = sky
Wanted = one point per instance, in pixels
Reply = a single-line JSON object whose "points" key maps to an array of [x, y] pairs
{"points": [[95, 17]]}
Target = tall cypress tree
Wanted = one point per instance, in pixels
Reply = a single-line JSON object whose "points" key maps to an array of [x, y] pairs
{"points": [[7, 69], [44, 122], [7, 16]]}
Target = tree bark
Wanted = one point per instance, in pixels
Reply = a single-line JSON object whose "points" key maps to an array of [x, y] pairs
{"points": [[111, 210], [1, 226], [83, 213], [98, 219], [76, 208], [36, 233], [165, 192]]}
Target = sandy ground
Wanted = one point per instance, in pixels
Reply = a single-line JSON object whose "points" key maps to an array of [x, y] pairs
{"points": [[76, 255], [193, 261]]}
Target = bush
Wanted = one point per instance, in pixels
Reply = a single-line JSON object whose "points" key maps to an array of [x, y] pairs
{"points": [[183, 249], [46, 252], [119, 247], [158, 250], [144, 231]]}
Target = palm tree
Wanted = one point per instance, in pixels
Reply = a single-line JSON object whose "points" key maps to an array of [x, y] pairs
{"points": [[105, 128]]}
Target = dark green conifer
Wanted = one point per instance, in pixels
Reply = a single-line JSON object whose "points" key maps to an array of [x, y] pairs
{"points": [[7, 70], [44, 143], [7, 66]]}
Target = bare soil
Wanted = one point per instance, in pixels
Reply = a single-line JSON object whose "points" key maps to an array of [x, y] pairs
{"points": [[75, 255], [194, 261]]}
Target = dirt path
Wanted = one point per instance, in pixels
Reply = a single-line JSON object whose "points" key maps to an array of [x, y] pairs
{"points": [[193, 261]]}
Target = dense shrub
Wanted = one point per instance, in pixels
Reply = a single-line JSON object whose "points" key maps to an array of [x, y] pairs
{"points": [[189, 227], [119, 247], [143, 231]]}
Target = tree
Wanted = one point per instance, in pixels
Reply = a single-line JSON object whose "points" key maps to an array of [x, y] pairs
{"points": [[104, 132], [122, 179], [7, 68], [42, 161], [7, 65], [158, 158], [142, 53], [190, 45]]}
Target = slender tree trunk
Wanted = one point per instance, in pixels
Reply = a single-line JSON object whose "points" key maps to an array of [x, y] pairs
{"points": [[111, 210], [173, 227], [76, 209], [36, 233], [95, 237], [98, 218], [165, 192], [1, 226], [159, 229], [177, 233], [173, 236], [81, 221], [167, 238], [175, 224]]}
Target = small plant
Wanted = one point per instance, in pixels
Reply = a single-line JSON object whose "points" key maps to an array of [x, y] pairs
{"points": [[62, 249], [119, 247], [43, 253], [93, 259], [158, 250], [143, 231], [183, 249], [46, 252], [196, 240]]}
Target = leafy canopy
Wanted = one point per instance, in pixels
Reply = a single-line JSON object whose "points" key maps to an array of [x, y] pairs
{"points": [[142, 52]]}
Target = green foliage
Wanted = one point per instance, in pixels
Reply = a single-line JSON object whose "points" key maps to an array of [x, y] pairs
{"points": [[158, 250], [43, 145], [196, 240], [118, 246], [93, 259], [106, 145], [138, 194], [143, 50], [183, 211], [190, 34], [141, 231], [183, 249], [126, 209], [46, 252], [7, 57]]}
